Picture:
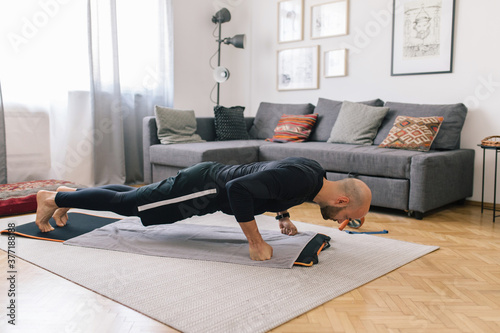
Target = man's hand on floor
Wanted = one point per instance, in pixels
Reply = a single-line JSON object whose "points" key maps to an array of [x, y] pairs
{"points": [[287, 227], [260, 251]]}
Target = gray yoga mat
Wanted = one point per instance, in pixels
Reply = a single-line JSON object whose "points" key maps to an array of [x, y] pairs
{"points": [[198, 242]]}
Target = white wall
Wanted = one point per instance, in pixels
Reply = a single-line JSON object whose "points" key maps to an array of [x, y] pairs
{"points": [[475, 80], [194, 45]]}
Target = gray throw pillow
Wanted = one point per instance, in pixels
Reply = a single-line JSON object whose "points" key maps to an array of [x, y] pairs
{"points": [[176, 126], [357, 123], [328, 111], [269, 114]]}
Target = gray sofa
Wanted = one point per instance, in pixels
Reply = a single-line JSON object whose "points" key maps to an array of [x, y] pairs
{"points": [[414, 181]]}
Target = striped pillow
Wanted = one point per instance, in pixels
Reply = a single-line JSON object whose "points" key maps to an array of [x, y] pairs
{"points": [[294, 128]]}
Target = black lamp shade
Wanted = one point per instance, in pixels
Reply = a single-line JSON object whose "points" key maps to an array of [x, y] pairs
{"points": [[222, 16], [237, 41]]}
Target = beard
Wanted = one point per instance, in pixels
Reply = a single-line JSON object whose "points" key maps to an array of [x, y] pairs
{"points": [[330, 212]]}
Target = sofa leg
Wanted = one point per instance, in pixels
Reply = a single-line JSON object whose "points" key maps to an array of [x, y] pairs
{"points": [[418, 215]]}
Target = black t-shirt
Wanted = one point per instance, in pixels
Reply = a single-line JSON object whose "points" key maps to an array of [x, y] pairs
{"points": [[252, 189]]}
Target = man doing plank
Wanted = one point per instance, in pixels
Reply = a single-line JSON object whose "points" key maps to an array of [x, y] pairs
{"points": [[241, 190]]}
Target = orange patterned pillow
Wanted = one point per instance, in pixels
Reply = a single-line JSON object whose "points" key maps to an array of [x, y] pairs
{"points": [[413, 133], [294, 128]]}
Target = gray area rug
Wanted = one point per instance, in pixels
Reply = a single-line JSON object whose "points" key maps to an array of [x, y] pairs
{"points": [[208, 296], [189, 241]]}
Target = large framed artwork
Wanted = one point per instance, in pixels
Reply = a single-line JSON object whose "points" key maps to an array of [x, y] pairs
{"points": [[298, 68], [290, 20], [330, 19], [422, 36]]}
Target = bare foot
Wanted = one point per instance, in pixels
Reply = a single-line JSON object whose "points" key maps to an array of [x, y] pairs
{"points": [[46, 206], [61, 214]]}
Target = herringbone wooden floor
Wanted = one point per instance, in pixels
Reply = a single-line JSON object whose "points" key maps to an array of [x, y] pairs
{"points": [[454, 289]]}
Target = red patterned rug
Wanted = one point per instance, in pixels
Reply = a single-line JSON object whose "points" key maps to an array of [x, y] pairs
{"points": [[20, 198]]}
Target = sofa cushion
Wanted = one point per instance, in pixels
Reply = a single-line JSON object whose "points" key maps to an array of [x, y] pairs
{"points": [[449, 133], [357, 159], [176, 126], [328, 111], [269, 114], [294, 128], [230, 123], [357, 123], [186, 154], [413, 133]]}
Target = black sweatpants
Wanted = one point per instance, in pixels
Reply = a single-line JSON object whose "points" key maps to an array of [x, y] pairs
{"points": [[191, 192], [120, 199]]}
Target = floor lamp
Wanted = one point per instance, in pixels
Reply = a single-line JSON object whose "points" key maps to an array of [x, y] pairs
{"points": [[221, 74]]}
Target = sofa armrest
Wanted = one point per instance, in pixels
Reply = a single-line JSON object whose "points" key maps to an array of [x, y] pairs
{"points": [[149, 138], [205, 128], [439, 178]]}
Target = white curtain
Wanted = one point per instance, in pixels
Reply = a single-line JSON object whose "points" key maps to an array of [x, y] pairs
{"points": [[78, 78], [3, 161], [131, 63]]}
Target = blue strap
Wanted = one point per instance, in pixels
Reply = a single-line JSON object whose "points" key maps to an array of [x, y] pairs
{"points": [[367, 232]]}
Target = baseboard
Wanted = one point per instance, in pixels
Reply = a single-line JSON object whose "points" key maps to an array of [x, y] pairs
{"points": [[486, 205]]}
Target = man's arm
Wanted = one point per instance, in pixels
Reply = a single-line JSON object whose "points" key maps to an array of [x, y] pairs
{"points": [[258, 248], [269, 184]]}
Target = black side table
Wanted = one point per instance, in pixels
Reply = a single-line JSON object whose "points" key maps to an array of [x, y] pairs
{"points": [[496, 149]]}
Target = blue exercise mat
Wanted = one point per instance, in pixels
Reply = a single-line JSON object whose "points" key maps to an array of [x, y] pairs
{"points": [[78, 224]]}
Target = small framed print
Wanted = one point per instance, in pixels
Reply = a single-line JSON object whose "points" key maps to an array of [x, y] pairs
{"points": [[335, 63], [290, 20], [330, 19], [298, 68], [422, 37]]}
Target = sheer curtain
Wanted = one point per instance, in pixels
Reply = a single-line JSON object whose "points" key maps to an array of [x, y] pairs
{"points": [[44, 57], [3, 160], [93, 69], [131, 70]]}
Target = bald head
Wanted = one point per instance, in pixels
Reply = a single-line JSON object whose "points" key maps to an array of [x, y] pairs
{"points": [[344, 199], [359, 195]]}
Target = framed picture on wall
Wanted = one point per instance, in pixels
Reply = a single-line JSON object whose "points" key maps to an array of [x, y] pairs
{"points": [[422, 37], [290, 20], [330, 19], [335, 63], [298, 68]]}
